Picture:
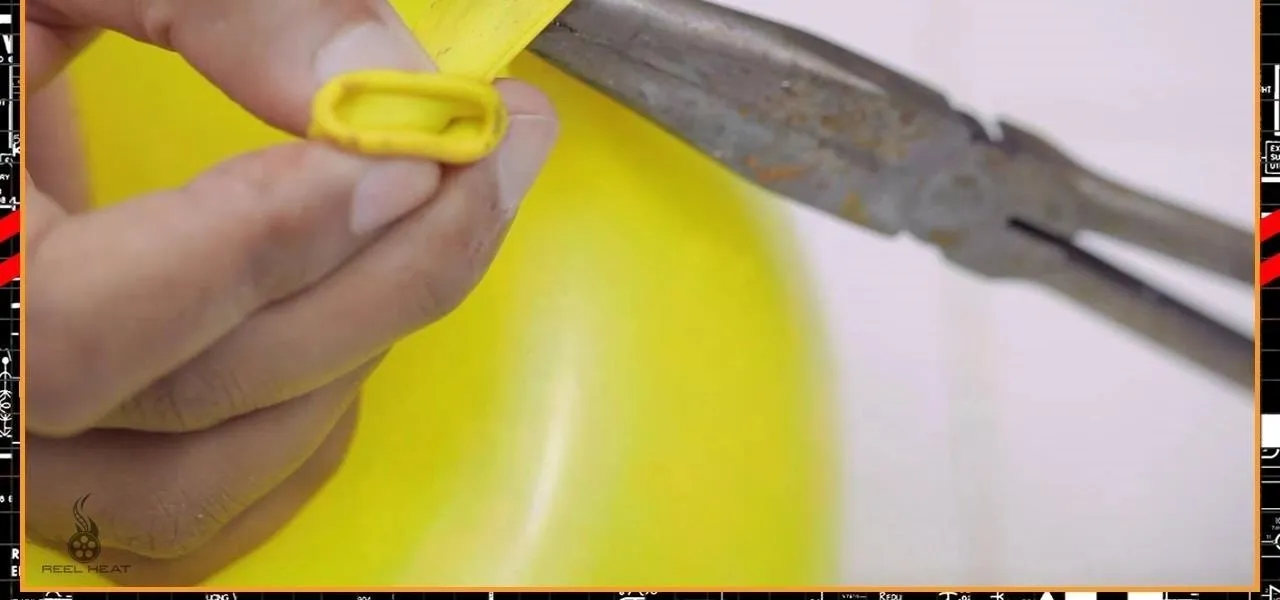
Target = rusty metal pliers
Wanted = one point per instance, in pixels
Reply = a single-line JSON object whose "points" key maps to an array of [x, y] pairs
{"points": [[826, 127]]}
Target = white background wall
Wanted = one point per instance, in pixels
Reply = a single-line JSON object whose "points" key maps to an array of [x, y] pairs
{"points": [[996, 434]]}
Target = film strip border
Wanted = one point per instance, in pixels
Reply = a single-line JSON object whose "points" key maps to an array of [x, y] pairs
{"points": [[1267, 593], [1268, 334], [1269, 227], [10, 281]]}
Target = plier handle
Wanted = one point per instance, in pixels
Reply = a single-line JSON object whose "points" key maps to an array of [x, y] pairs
{"points": [[820, 124]]}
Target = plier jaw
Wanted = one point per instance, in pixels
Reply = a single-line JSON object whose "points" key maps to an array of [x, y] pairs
{"points": [[827, 127]]}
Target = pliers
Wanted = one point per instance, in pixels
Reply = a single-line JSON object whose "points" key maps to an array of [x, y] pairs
{"points": [[824, 126]]}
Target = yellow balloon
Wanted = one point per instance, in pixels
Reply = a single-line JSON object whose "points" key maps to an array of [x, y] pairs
{"points": [[633, 396]]}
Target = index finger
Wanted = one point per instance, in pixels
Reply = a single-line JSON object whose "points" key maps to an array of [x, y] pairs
{"points": [[270, 57]]}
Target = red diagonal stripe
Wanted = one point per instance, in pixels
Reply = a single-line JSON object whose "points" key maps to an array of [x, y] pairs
{"points": [[1269, 226], [9, 269], [10, 225], [1269, 271]]}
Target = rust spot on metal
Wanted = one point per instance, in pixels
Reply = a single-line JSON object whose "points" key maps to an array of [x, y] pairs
{"points": [[775, 173], [797, 119], [944, 239], [866, 142], [845, 122], [996, 157], [853, 208]]}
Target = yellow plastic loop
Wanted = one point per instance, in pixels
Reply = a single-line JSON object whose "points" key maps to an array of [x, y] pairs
{"points": [[454, 116], [440, 117]]}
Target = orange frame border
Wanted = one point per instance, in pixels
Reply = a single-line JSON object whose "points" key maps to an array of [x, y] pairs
{"points": [[1257, 426]]}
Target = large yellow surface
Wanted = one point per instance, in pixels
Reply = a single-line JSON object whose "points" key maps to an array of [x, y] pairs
{"points": [[634, 395]]}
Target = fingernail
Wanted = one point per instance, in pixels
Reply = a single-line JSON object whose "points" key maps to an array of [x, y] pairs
{"points": [[520, 160], [389, 191], [370, 45]]}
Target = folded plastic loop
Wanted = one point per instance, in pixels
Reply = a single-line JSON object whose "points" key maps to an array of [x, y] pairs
{"points": [[455, 116], [439, 117]]}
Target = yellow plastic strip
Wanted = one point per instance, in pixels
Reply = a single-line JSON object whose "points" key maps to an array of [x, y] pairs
{"points": [[480, 38], [454, 116]]}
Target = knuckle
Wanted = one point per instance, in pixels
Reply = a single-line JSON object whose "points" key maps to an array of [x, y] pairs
{"points": [[141, 412], [59, 410], [460, 251], [218, 393], [427, 299], [157, 18], [160, 406], [270, 272], [64, 401], [247, 191], [435, 289], [189, 400], [175, 524]]}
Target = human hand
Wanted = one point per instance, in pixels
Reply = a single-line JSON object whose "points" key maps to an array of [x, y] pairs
{"points": [[195, 355]]}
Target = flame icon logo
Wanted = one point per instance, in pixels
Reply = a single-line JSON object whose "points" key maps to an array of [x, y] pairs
{"points": [[83, 547]]}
